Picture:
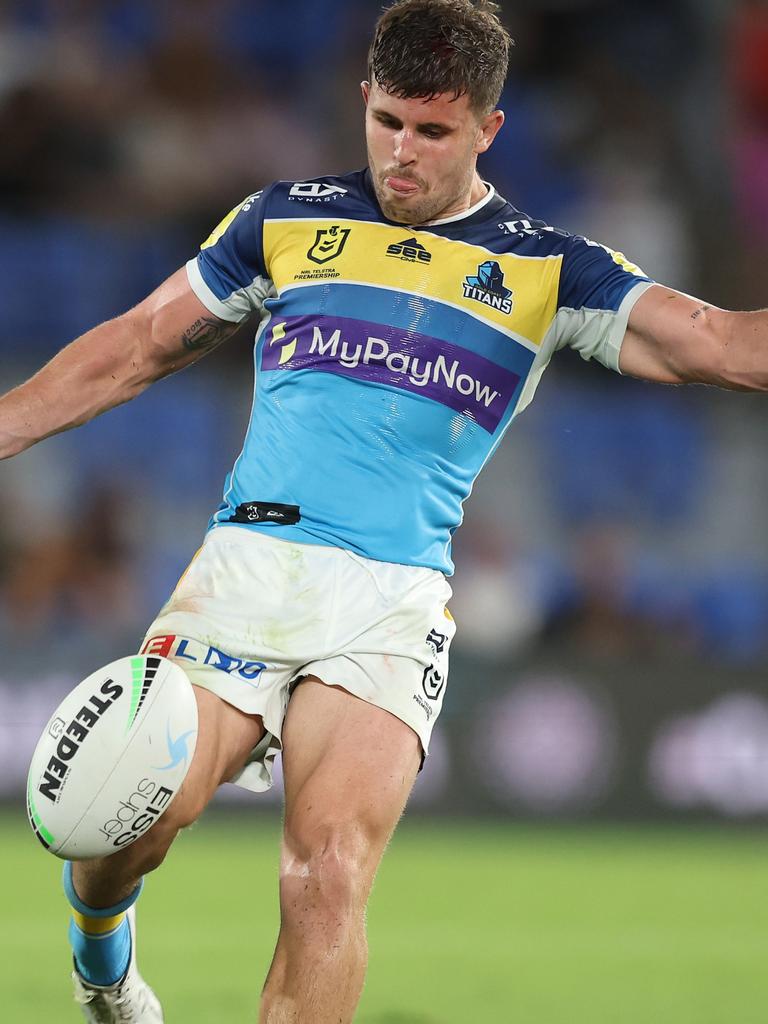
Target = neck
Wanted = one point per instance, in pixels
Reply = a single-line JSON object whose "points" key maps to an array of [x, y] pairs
{"points": [[478, 191]]}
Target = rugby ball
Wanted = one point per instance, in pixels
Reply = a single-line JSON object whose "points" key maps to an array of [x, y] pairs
{"points": [[112, 757]]}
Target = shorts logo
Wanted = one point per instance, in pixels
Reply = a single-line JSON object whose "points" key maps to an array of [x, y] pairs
{"points": [[181, 649], [315, 192], [410, 251], [436, 641], [426, 708], [432, 682], [488, 288], [328, 244]]}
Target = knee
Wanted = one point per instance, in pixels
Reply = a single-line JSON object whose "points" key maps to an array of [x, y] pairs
{"points": [[148, 852], [329, 869], [184, 810]]}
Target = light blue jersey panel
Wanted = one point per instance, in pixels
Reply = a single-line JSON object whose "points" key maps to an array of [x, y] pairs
{"points": [[340, 453]]}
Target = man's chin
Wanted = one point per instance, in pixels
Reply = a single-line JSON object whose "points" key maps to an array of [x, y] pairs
{"points": [[398, 214], [405, 212]]}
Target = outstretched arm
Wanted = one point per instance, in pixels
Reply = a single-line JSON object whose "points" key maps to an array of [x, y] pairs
{"points": [[111, 364], [674, 339]]}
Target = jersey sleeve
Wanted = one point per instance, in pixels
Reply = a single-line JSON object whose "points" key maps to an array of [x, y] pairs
{"points": [[229, 275], [598, 288]]}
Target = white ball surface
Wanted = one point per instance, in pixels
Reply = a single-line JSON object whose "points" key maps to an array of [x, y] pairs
{"points": [[112, 757]]}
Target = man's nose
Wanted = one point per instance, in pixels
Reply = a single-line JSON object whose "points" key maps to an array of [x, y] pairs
{"points": [[405, 149]]}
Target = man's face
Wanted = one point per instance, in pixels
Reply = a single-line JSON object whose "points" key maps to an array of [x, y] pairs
{"points": [[422, 153]]}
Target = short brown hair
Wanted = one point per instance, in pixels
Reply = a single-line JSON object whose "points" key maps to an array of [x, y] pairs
{"points": [[422, 48]]}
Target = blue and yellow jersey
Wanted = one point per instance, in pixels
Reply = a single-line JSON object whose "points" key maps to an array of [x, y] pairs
{"points": [[390, 360]]}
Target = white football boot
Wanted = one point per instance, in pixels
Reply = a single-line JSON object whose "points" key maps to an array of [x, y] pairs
{"points": [[128, 1001]]}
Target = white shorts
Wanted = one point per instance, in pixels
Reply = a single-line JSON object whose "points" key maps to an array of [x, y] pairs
{"points": [[252, 615]]}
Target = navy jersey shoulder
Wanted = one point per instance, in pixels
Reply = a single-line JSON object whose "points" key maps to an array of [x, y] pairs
{"points": [[231, 259], [593, 276], [346, 196]]}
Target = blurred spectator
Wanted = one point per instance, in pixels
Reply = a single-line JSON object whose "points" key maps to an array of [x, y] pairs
{"points": [[603, 612], [81, 578], [748, 60], [61, 157], [498, 592], [749, 72]]}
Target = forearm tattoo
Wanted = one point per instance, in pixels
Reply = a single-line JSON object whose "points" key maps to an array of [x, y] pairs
{"points": [[701, 311], [206, 333]]}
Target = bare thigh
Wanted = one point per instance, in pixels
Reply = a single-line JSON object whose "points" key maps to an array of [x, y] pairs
{"points": [[226, 736], [349, 768]]}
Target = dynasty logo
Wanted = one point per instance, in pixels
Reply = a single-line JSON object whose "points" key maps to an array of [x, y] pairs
{"points": [[410, 251], [328, 244], [315, 192], [488, 287]]}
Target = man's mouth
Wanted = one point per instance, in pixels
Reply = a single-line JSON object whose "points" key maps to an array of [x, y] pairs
{"points": [[403, 186]]}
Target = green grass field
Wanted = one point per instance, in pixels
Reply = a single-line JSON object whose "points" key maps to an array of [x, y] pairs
{"points": [[467, 924]]}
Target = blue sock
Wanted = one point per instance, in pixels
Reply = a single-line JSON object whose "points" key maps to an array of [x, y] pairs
{"points": [[100, 938]]}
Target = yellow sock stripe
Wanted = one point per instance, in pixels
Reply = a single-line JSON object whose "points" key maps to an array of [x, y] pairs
{"points": [[96, 925]]}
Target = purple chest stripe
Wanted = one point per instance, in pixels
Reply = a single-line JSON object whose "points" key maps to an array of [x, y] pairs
{"points": [[365, 351]]}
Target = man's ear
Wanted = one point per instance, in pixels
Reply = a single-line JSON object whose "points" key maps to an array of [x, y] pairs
{"points": [[489, 129], [365, 89]]}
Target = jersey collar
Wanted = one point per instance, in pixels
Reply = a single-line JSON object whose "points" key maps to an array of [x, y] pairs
{"points": [[482, 210], [465, 214]]}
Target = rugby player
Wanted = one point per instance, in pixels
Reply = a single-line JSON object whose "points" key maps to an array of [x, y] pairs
{"points": [[408, 312]]}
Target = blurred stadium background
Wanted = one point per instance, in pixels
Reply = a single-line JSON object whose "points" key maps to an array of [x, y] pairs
{"points": [[611, 594]]}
